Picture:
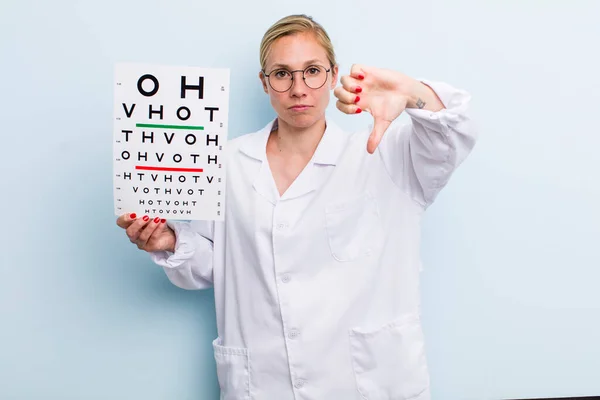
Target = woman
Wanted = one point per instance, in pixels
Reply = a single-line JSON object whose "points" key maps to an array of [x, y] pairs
{"points": [[316, 267]]}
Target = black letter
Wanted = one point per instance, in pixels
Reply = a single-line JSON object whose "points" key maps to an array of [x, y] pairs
{"points": [[216, 140], [144, 137], [128, 112], [199, 88], [151, 111], [126, 134], [169, 139], [192, 136], [212, 159], [211, 109], [141, 89], [189, 113]]}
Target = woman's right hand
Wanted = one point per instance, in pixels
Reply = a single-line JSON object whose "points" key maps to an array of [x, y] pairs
{"points": [[148, 234]]}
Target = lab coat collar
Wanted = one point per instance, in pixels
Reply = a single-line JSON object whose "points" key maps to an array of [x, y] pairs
{"points": [[327, 153]]}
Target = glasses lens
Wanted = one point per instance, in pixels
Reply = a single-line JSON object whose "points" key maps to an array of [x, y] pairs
{"points": [[315, 76], [280, 80]]}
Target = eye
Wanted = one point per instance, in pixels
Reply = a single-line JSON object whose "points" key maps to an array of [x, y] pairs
{"points": [[313, 70], [281, 74]]}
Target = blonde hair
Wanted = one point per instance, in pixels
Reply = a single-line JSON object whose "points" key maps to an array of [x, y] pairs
{"points": [[292, 24]]}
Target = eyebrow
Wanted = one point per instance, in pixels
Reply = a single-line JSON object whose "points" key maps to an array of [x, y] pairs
{"points": [[309, 62]]}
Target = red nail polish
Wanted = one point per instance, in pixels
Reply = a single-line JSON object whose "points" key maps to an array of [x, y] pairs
{"points": [[357, 99], [156, 220], [163, 220], [132, 215], [361, 76], [358, 89], [358, 111], [146, 218]]}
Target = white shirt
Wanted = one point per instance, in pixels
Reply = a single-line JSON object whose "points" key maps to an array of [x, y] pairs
{"points": [[317, 291]]}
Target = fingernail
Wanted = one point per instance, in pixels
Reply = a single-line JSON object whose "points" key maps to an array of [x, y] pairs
{"points": [[156, 220], [146, 218], [358, 89], [358, 111], [357, 99], [163, 220], [132, 215], [361, 76]]}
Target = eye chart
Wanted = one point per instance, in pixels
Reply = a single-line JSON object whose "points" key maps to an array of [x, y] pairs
{"points": [[170, 133]]}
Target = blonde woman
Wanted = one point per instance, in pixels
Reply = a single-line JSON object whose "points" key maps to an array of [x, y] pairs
{"points": [[316, 267]]}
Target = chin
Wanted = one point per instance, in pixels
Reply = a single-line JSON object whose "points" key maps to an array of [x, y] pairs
{"points": [[301, 120]]}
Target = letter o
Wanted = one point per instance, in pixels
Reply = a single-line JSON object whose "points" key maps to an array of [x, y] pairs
{"points": [[193, 137], [189, 113], [141, 82]]}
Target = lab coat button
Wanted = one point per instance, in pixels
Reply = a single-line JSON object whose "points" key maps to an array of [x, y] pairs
{"points": [[286, 278], [299, 384], [293, 333]]}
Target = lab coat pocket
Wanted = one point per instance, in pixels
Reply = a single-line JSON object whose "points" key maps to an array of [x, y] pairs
{"points": [[389, 362], [233, 371], [353, 227]]}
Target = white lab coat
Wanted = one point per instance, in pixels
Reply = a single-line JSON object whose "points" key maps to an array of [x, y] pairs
{"points": [[317, 291]]}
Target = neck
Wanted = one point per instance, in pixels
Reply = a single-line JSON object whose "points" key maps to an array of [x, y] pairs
{"points": [[296, 141]]}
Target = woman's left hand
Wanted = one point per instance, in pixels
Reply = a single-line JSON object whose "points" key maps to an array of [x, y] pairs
{"points": [[385, 94]]}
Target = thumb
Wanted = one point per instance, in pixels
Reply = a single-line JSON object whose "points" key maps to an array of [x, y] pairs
{"points": [[379, 128]]}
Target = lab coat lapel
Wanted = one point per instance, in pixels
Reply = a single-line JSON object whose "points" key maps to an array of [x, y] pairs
{"points": [[328, 152], [255, 148]]}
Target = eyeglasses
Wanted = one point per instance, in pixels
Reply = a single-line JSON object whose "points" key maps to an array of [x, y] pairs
{"points": [[281, 80]]}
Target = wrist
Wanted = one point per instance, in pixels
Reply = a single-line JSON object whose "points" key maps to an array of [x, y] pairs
{"points": [[416, 94]]}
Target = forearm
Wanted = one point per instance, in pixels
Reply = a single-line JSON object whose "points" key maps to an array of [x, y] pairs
{"points": [[190, 264], [418, 94]]}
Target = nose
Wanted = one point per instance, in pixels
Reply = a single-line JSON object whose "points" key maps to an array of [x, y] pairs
{"points": [[299, 87]]}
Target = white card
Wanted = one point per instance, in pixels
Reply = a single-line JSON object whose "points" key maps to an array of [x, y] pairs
{"points": [[170, 134]]}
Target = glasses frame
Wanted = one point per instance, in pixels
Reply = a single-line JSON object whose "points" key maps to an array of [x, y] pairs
{"points": [[327, 70]]}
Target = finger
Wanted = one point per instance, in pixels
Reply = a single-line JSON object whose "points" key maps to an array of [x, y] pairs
{"points": [[147, 232], [125, 220], [345, 96], [351, 84], [379, 128], [348, 108], [135, 229], [357, 71]]}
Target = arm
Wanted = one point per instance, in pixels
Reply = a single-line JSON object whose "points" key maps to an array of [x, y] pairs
{"points": [[422, 156], [190, 264]]}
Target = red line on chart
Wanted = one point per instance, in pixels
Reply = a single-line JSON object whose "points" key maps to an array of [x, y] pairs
{"points": [[169, 169]]}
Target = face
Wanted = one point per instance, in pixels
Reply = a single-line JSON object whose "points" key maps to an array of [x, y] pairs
{"points": [[301, 106]]}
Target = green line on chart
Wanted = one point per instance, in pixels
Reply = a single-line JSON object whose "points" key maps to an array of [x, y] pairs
{"points": [[201, 128]]}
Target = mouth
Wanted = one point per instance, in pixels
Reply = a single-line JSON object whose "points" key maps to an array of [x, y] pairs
{"points": [[300, 107]]}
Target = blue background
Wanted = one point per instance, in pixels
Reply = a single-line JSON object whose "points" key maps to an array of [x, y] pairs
{"points": [[510, 287]]}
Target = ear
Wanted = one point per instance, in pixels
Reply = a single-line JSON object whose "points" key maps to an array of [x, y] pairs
{"points": [[263, 79], [334, 76]]}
